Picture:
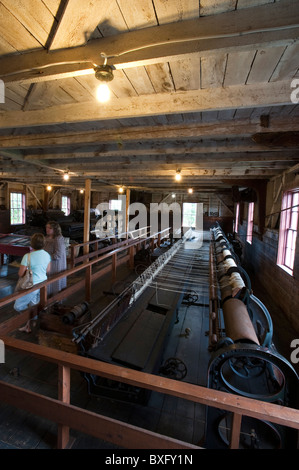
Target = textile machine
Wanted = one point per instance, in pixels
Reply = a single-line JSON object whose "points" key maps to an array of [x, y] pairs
{"points": [[244, 360]]}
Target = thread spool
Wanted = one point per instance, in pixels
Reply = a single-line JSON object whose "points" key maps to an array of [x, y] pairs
{"points": [[75, 313]]}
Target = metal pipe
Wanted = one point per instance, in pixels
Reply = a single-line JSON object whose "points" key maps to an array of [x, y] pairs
{"points": [[213, 301]]}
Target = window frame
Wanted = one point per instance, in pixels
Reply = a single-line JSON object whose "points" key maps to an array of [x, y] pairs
{"points": [[22, 208], [237, 217], [189, 212], [68, 205], [250, 218], [288, 228], [115, 204]]}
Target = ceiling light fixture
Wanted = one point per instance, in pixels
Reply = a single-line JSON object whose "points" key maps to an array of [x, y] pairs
{"points": [[103, 73], [49, 188], [190, 190], [66, 176], [121, 189], [178, 175]]}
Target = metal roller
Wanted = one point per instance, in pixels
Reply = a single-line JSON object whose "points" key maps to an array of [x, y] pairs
{"points": [[238, 325]]}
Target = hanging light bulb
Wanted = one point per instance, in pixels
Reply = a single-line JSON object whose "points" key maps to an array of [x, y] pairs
{"points": [[190, 190], [49, 188], [66, 177], [121, 190], [104, 73], [178, 175], [103, 93]]}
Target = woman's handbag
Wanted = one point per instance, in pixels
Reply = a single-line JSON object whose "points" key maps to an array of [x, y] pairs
{"points": [[26, 281]]}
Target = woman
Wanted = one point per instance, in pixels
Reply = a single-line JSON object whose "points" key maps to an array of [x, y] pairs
{"points": [[55, 246], [40, 266]]}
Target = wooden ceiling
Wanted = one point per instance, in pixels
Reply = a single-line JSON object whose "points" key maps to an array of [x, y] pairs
{"points": [[204, 87]]}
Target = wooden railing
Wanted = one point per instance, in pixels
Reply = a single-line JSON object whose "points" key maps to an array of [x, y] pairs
{"points": [[124, 435], [109, 258]]}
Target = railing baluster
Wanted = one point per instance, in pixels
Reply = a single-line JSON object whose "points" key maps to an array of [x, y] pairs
{"points": [[64, 387], [235, 431]]}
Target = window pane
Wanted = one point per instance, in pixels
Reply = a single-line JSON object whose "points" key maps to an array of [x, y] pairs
{"points": [[115, 204], [17, 208], [294, 220], [65, 204], [189, 214], [250, 222], [288, 230]]}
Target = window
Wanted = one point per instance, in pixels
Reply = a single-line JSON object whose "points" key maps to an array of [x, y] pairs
{"points": [[17, 208], [66, 205], [189, 214], [115, 204], [250, 222], [237, 217], [288, 231]]}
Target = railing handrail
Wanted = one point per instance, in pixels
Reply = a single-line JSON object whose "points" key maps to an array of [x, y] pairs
{"points": [[258, 409], [68, 272]]}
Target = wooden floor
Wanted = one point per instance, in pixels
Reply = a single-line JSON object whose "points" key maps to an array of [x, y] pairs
{"points": [[163, 414]]}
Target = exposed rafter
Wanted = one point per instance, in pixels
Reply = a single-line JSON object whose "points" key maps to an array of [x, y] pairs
{"points": [[240, 29]]}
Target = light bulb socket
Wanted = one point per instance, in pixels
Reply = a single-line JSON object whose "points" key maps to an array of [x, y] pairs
{"points": [[104, 73]]}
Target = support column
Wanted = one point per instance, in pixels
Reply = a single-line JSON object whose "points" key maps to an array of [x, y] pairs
{"points": [[86, 215], [128, 193]]}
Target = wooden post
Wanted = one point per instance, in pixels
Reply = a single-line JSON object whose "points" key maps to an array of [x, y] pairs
{"points": [[72, 258], [88, 283], [114, 261], [64, 385], [131, 253], [128, 193], [46, 200], [86, 216], [152, 243], [235, 431], [43, 296]]}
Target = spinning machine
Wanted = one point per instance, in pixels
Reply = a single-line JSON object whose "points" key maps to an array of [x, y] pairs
{"points": [[244, 360], [134, 328]]}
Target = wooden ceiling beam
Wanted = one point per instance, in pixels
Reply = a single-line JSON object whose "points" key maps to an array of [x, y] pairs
{"points": [[76, 24], [275, 23], [181, 162], [165, 150], [219, 154], [221, 98]]}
